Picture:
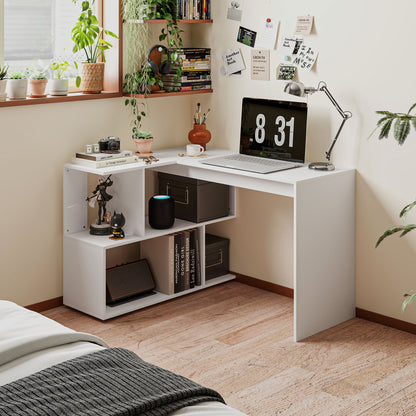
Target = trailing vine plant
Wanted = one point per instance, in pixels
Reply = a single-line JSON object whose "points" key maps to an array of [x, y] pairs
{"points": [[401, 123]]}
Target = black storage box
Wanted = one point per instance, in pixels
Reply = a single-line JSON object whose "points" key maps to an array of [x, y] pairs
{"points": [[217, 256], [195, 200]]}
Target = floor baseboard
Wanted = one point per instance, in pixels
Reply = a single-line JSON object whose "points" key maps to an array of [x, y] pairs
{"points": [[45, 305], [261, 284]]}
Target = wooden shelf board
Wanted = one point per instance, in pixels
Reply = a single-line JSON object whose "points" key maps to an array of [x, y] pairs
{"points": [[170, 94], [151, 21]]}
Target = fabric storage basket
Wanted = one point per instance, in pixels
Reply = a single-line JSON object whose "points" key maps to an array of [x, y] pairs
{"points": [[195, 200], [217, 256]]}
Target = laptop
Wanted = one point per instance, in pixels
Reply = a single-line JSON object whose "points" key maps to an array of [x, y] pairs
{"points": [[272, 137]]}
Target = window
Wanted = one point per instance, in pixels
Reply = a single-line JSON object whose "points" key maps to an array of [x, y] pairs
{"points": [[37, 32]]}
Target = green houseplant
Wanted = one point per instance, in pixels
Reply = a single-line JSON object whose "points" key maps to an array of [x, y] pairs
{"points": [[37, 84], [58, 85], [17, 86], [87, 36], [3, 82], [401, 124]]}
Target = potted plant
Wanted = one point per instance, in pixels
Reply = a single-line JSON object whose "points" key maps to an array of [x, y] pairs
{"points": [[143, 140], [401, 123], [3, 82], [59, 84], [87, 35], [17, 86], [37, 83]]}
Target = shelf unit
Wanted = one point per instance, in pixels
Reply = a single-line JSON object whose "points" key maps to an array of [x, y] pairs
{"points": [[85, 256]]}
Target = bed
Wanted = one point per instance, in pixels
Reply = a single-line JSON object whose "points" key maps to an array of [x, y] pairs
{"points": [[33, 347]]}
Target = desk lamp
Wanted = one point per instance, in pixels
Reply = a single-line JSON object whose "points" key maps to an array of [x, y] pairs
{"points": [[298, 89]]}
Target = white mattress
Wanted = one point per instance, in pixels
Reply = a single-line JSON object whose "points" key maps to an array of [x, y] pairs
{"points": [[30, 342]]}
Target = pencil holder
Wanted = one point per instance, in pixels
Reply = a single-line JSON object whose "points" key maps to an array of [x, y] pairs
{"points": [[199, 135]]}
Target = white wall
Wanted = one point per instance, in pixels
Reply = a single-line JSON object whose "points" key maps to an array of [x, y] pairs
{"points": [[365, 56]]}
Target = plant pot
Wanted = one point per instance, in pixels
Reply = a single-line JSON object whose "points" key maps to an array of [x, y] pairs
{"points": [[199, 135], [143, 145], [3, 94], [92, 77], [37, 88], [17, 89], [58, 86]]}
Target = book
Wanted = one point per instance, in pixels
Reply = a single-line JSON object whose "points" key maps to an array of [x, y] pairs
{"points": [[105, 163], [187, 260], [159, 253], [103, 156], [186, 84], [198, 280], [181, 279], [192, 257], [177, 261]]}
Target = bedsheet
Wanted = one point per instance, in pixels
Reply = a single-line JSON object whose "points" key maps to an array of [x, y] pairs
{"points": [[30, 342]]}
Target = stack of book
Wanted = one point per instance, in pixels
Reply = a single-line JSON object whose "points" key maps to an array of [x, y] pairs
{"points": [[174, 260], [195, 71], [194, 9], [103, 160]]}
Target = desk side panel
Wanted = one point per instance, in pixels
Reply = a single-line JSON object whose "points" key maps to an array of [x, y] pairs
{"points": [[324, 253]]}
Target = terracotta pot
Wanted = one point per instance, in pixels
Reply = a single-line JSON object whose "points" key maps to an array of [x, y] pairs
{"points": [[200, 135], [58, 86], [92, 77], [143, 145], [17, 89], [37, 88]]}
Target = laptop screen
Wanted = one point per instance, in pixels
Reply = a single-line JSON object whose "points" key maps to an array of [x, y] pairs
{"points": [[273, 129]]}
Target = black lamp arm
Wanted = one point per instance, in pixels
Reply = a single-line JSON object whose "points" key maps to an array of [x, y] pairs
{"points": [[344, 114]]}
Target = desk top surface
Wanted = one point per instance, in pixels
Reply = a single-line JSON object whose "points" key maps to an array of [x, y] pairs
{"points": [[169, 157]]}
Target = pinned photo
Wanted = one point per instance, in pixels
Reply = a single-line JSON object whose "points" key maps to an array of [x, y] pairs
{"points": [[286, 72]]}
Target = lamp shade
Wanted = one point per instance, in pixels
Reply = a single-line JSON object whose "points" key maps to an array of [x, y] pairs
{"points": [[295, 88]]}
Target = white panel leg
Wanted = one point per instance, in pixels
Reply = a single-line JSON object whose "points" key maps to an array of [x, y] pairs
{"points": [[84, 277], [324, 253]]}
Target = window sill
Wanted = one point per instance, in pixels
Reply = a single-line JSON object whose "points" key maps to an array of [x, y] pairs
{"points": [[60, 99]]}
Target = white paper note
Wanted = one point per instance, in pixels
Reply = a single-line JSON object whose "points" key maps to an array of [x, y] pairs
{"points": [[306, 58], [304, 25], [260, 65], [233, 61], [267, 33]]}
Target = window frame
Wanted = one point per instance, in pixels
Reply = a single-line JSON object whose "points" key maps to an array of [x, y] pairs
{"points": [[110, 12]]}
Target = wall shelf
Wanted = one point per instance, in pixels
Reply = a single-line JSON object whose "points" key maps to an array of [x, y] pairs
{"points": [[171, 94], [152, 21]]}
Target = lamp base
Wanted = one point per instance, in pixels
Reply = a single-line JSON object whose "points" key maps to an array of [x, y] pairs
{"points": [[321, 166]]}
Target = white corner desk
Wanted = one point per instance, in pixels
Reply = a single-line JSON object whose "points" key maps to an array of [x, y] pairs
{"points": [[324, 228]]}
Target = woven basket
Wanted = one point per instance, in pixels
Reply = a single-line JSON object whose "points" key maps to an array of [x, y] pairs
{"points": [[92, 76]]}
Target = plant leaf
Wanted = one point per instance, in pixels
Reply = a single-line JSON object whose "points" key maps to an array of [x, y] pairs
{"points": [[411, 108], [406, 209], [386, 113], [401, 129], [390, 231], [408, 299], [385, 129], [407, 229]]}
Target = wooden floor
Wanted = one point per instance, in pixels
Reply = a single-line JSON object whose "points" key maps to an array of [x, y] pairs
{"points": [[238, 340]]}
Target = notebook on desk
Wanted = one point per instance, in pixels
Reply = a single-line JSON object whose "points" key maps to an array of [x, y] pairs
{"points": [[272, 137]]}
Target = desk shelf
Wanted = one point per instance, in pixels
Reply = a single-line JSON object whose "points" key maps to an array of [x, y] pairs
{"points": [[87, 257]]}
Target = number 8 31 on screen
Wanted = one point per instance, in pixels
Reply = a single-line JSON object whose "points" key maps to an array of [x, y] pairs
{"points": [[280, 136]]}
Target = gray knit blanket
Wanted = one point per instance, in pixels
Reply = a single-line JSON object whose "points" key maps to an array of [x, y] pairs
{"points": [[113, 382]]}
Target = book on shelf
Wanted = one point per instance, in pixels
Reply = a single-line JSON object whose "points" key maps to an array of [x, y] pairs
{"points": [[192, 257], [190, 88], [182, 262], [187, 283], [103, 156], [193, 9], [198, 279], [105, 163], [188, 76], [186, 84], [177, 262], [159, 253]]}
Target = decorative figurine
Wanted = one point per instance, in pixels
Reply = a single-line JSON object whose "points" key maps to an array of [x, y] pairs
{"points": [[100, 195], [117, 221]]}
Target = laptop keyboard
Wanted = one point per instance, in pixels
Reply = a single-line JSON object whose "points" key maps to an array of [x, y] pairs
{"points": [[259, 161]]}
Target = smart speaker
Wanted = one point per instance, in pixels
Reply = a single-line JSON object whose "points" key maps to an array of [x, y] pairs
{"points": [[161, 211]]}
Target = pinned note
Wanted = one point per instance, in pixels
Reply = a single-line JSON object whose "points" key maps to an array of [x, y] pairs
{"points": [[306, 57], [260, 65], [232, 62], [235, 10], [304, 25], [286, 72], [267, 33]]}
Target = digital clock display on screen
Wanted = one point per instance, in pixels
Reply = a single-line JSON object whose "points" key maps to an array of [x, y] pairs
{"points": [[274, 129]]}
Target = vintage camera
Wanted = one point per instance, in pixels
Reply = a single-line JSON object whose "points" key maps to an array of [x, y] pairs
{"points": [[109, 145]]}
